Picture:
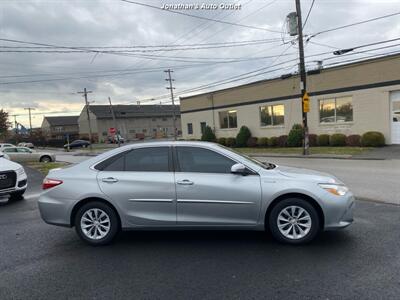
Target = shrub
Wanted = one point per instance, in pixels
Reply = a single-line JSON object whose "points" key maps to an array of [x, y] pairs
{"points": [[230, 142], [353, 140], [312, 140], [337, 140], [208, 135], [295, 137], [273, 141], [222, 141], [242, 137], [263, 142], [282, 141], [252, 142], [373, 139], [323, 140]]}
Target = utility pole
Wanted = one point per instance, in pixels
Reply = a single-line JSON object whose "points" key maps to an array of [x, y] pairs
{"points": [[171, 88], [15, 123], [85, 92], [29, 109], [115, 122], [303, 79]]}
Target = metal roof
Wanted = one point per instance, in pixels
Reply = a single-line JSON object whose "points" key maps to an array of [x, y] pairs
{"points": [[62, 120], [133, 111]]}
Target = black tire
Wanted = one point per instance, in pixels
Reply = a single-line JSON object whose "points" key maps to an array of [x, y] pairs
{"points": [[45, 159], [17, 195], [298, 202], [114, 223]]}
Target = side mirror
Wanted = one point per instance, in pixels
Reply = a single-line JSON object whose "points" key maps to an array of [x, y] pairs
{"points": [[239, 169]]}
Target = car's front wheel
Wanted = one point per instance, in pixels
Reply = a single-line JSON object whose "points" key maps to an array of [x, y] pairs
{"points": [[96, 223], [294, 221]]}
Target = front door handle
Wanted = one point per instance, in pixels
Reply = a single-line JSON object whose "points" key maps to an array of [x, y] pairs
{"points": [[110, 179], [185, 182]]}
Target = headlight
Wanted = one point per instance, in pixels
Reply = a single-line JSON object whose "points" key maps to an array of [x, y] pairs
{"points": [[20, 171], [336, 189]]}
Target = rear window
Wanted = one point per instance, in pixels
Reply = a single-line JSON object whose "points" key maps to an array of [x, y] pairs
{"points": [[151, 159]]}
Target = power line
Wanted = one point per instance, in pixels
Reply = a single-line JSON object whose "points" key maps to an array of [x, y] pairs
{"points": [[308, 14], [200, 17], [353, 24]]}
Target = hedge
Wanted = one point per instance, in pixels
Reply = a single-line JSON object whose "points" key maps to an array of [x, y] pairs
{"points": [[372, 139], [222, 141], [282, 141], [353, 140], [230, 142], [323, 140], [263, 142], [312, 140], [273, 141], [337, 140], [252, 142]]}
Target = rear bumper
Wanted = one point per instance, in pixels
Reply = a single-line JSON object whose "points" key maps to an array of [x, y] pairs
{"points": [[54, 211]]}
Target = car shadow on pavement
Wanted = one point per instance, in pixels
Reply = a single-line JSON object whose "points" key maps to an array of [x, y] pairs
{"points": [[202, 237]]}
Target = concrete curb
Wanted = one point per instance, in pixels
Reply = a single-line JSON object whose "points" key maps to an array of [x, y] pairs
{"points": [[321, 156]]}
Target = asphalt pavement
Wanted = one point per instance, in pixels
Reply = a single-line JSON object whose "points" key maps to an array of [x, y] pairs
{"points": [[39, 261]]}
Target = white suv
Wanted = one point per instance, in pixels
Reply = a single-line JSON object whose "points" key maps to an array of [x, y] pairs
{"points": [[13, 179]]}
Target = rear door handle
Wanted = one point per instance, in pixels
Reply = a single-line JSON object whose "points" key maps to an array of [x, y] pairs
{"points": [[185, 182], [109, 179]]}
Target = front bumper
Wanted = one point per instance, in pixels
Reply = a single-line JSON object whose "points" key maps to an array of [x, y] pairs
{"points": [[339, 212], [20, 185]]}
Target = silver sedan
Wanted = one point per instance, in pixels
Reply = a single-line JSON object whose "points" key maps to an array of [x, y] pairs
{"points": [[25, 154], [191, 185]]}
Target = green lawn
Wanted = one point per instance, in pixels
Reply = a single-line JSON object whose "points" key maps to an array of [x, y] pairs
{"points": [[46, 167], [299, 150]]}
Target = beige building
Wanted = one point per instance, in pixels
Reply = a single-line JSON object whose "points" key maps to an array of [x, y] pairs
{"points": [[350, 99], [132, 121], [60, 127]]}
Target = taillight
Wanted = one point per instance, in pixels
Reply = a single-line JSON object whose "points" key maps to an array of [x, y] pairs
{"points": [[50, 183]]}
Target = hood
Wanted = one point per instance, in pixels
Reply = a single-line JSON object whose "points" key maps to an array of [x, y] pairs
{"points": [[306, 174], [6, 164]]}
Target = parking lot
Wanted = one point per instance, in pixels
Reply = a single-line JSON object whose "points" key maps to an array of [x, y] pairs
{"points": [[46, 262]]}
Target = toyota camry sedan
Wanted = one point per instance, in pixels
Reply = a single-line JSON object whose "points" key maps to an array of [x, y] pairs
{"points": [[192, 185]]}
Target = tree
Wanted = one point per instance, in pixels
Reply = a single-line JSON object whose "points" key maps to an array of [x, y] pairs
{"points": [[208, 135], [4, 123], [243, 136]]}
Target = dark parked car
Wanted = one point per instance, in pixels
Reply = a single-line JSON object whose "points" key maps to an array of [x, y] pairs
{"points": [[78, 144]]}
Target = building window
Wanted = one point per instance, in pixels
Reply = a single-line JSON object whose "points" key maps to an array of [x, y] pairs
{"points": [[203, 127], [132, 131], [104, 133], [164, 119], [190, 128], [144, 130], [154, 119], [336, 110], [272, 115], [58, 128], [228, 119]]}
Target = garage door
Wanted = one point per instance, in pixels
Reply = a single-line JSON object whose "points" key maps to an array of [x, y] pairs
{"points": [[395, 116]]}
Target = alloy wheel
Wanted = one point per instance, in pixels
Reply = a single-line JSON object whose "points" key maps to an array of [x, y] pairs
{"points": [[294, 222], [95, 224]]}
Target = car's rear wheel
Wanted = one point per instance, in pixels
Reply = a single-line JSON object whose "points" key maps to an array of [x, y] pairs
{"points": [[294, 221], [45, 159], [96, 223]]}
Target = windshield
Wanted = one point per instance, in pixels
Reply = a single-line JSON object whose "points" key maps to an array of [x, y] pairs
{"points": [[264, 165]]}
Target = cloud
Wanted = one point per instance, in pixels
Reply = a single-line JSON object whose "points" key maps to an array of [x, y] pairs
{"points": [[115, 23]]}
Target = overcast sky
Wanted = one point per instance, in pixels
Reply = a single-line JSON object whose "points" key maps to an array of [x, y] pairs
{"points": [[113, 23]]}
